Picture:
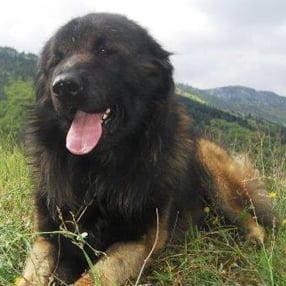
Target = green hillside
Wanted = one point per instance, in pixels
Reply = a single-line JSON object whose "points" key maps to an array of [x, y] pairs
{"points": [[232, 130], [242, 100]]}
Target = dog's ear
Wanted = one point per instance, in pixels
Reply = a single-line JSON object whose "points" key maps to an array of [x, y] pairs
{"points": [[161, 58]]}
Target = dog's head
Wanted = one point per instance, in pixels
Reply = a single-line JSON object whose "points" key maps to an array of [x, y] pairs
{"points": [[102, 74]]}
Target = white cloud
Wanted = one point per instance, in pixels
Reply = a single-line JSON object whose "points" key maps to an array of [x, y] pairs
{"points": [[215, 42]]}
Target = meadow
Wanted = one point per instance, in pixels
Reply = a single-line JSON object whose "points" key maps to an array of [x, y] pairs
{"points": [[219, 256]]}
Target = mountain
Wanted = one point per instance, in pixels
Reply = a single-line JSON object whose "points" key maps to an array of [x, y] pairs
{"points": [[242, 100]]}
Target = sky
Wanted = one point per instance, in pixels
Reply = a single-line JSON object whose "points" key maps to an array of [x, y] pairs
{"points": [[215, 42]]}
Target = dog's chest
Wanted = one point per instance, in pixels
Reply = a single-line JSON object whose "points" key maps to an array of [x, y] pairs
{"points": [[113, 210]]}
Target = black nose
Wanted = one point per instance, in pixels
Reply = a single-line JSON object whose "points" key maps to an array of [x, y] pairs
{"points": [[67, 84]]}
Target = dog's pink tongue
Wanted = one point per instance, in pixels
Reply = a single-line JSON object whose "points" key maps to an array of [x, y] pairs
{"points": [[84, 133]]}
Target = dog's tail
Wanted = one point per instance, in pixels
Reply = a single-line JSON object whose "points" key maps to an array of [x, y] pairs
{"points": [[236, 189], [254, 191]]}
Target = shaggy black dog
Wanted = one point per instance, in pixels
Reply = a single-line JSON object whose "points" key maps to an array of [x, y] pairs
{"points": [[115, 161]]}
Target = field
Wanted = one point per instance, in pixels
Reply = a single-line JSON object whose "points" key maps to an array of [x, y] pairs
{"points": [[219, 256]]}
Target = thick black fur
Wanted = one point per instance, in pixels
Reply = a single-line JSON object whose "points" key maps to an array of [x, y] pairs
{"points": [[129, 174], [146, 158]]}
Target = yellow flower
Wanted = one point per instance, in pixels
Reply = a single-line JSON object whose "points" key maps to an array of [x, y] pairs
{"points": [[206, 210], [215, 221], [272, 195], [284, 221], [17, 281]]}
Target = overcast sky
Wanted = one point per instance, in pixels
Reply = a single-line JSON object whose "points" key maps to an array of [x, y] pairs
{"points": [[215, 42]]}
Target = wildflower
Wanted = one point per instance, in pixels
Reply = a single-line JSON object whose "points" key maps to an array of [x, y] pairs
{"points": [[84, 234], [215, 221], [81, 236], [206, 210], [284, 221], [17, 281], [272, 195]]}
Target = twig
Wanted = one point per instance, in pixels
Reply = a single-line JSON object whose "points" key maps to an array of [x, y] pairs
{"points": [[151, 251]]}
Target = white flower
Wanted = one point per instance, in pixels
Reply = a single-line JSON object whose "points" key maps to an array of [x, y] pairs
{"points": [[84, 234]]}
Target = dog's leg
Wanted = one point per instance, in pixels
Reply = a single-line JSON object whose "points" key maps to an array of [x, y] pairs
{"points": [[237, 191], [124, 261], [39, 265]]}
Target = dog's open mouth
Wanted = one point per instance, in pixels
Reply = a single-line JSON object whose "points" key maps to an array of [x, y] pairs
{"points": [[85, 131]]}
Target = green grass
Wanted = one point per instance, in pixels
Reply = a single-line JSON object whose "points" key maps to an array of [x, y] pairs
{"points": [[216, 257], [15, 211]]}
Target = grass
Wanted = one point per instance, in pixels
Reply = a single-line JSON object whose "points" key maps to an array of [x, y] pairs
{"points": [[15, 211], [216, 257]]}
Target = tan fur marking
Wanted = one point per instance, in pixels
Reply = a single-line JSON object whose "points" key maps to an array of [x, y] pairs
{"points": [[124, 260], [78, 58], [39, 265]]}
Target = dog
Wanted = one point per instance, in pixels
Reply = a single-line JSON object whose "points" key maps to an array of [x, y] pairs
{"points": [[116, 164]]}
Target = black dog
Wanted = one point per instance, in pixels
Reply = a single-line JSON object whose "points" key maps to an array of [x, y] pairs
{"points": [[115, 161]]}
